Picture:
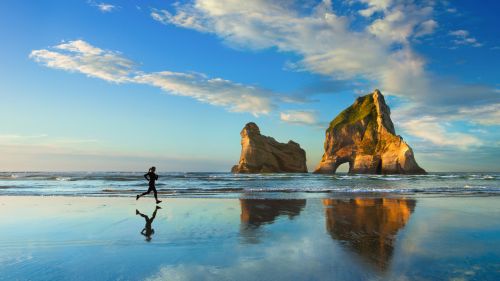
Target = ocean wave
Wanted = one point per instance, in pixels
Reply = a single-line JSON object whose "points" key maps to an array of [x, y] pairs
{"points": [[182, 184], [63, 178], [359, 189], [485, 177], [449, 176], [387, 178]]}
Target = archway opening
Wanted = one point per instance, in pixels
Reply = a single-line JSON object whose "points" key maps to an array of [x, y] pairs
{"points": [[343, 168], [379, 167]]}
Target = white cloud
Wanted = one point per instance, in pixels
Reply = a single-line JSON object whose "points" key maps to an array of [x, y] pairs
{"points": [[181, 18], [374, 6], [103, 7], [426, 28], [433, 130], [216, 91], [462, 38], [483, 115], [79, 46], [400, 23], [80, 56], [299, 117], [106, 8], [459, 33]]}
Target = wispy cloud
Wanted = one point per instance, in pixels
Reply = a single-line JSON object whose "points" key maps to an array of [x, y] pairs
{"points": [[103, 7], [80, 56], [106, 8], [426, 28], [433, 130], [462, 37], [216, 91], [374, 6], [299, 117], [484, 115], [182, 18]]}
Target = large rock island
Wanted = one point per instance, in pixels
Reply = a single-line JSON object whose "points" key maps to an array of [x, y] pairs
{"points": [[363, 136], [262, 154]]}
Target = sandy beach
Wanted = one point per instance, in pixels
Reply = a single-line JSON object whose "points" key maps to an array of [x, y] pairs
{"points": [[359, 238], [237, 140]]}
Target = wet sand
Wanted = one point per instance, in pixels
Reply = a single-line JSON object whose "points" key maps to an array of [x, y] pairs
{"points": [[338, 238]]}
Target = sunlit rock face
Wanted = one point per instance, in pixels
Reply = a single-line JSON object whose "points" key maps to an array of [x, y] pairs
{"points": [[258, 212], [363, 136], [368, 226], [262, 154]]}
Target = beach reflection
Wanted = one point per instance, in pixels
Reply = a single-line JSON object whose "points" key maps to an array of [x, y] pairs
{"points": [[148, 230], [368, 226], [256, 212]]}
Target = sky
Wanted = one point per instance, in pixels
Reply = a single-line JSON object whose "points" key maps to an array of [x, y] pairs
{"points": [[124, 85]]}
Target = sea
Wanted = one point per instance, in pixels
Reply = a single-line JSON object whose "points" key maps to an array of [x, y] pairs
{"points": [[206, 184]]}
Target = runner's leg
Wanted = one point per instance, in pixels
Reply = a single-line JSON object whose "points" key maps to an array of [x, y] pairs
{"points": [[144, 193], [155, 193]]}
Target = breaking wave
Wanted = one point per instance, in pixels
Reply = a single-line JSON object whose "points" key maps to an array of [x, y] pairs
{"points": [[222, 184]]}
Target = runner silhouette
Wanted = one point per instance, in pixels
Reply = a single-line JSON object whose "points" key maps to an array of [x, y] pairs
{"points": [[151, 177]]}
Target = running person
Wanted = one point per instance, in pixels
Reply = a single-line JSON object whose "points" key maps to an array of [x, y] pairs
{"points": [[151, 177]]}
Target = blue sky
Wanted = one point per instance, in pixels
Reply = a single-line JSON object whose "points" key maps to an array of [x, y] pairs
{"points": [[123, 85]]}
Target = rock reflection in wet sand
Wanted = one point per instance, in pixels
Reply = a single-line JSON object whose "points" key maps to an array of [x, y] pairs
{"points": [[368, 226], [256, 212]]}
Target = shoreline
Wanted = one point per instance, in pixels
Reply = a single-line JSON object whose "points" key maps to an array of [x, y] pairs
{"points": [[271, 195]]}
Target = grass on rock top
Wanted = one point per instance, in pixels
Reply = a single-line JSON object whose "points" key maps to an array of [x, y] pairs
{"points": [[363, 107]]}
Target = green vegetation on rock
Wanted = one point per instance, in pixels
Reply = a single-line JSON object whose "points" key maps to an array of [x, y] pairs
{"points": [[363, 135], [363, 107]]}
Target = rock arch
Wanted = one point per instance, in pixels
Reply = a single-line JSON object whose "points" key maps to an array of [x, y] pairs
{"points": [[363, 135]]}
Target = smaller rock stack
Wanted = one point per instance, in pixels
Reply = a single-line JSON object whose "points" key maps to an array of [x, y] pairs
{"points": [[262, 154]]}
